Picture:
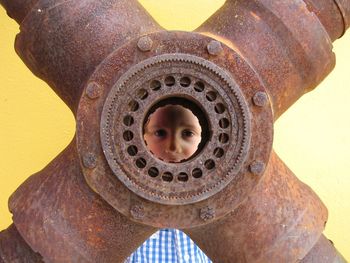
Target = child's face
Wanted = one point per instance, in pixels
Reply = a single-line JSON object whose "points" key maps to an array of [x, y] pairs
{"points": [[172, 133]]}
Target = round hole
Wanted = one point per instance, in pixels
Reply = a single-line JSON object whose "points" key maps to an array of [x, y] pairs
{"points": [[219, 108], [199, 86], [218, 152], [153, 172], [224, 138], [128, 120], [167, 177], [182, 177], [141, 163], [224, 123], [197, 173], [155, 85], [211, 96], [209, 164], [184, 113], [169, 81], [132, 150], [133, 105], [185, 82], [128, 136], [142, 94]]}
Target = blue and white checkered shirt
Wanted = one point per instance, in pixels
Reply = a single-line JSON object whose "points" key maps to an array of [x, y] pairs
{"points": [[168, 246]]}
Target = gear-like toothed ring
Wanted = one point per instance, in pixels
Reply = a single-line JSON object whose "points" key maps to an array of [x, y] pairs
{"points": [[190, 78]]}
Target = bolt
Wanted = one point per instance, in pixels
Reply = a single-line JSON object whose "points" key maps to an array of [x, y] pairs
{"points": [[145, 44], [214, 48], [137, 212], [257, 167], [260, 99], [89, 160], [93, 90], [207, 213]]}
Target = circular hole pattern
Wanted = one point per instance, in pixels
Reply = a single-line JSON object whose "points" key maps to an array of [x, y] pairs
{"points": [[128, 136], [132, 150], [133, 105], [224, 123], [167, 177], [155, 85], [219, 152], [185, 82], [199, 86], [197, 173], [219, 108], [223, 137], [169, 81], [182, 177], [141, 163], [211, 96], [128, 120], [142, 94], [209, 164], [153, 172]]}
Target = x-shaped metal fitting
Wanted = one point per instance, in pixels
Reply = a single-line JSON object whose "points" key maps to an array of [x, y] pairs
{"points": [[112, 64]]}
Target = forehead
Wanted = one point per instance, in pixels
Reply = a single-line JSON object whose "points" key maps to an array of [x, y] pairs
{"points": [[173, 115]]}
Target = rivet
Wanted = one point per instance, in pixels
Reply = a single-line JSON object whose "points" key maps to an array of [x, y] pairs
{"points": [[137, 212], [260, 99], [207, 213], [257, 167], [214, 48], [145, 44], [93, 90], [89, 160]]}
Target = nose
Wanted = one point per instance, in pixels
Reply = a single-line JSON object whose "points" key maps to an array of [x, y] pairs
{"points": [[174, 145]]}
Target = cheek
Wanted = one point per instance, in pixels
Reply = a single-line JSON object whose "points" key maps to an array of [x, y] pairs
{"points": [[154, 145], [191, 147]]}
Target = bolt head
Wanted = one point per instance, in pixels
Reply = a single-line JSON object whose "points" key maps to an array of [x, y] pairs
{"points": [[214, 48], [207, 213], [145, 43], [137, 212], [89, 160], [93, 90], [257, 167], [261, 99]]}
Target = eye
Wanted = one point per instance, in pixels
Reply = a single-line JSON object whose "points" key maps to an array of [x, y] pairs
{"points": [[160, 133], [187, 133]]}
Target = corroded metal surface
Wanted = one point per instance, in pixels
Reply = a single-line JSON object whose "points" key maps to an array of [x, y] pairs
{"points": [[178, 66], [63, 219], [276, 223], [283, 40], [187, 78], [324, 252], [63, 41], [112, 64], [14, 249]]}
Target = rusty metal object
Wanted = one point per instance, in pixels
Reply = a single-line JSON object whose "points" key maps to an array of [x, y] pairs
{"points": [[324, 252], [175, 69], [238, 72], [274, 224], [69, 222], [14, 249]]}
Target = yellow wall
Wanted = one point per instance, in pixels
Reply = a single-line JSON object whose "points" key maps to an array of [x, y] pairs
{"points": [[313, 137]]}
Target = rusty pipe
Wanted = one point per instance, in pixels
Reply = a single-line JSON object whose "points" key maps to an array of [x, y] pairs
{"points": [[279, 222], [55, 51], [64, 211], [267, 34], [18, 9]]}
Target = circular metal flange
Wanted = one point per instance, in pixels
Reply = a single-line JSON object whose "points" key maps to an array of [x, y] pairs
{"points": [[180, 76], [127, 175]]}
